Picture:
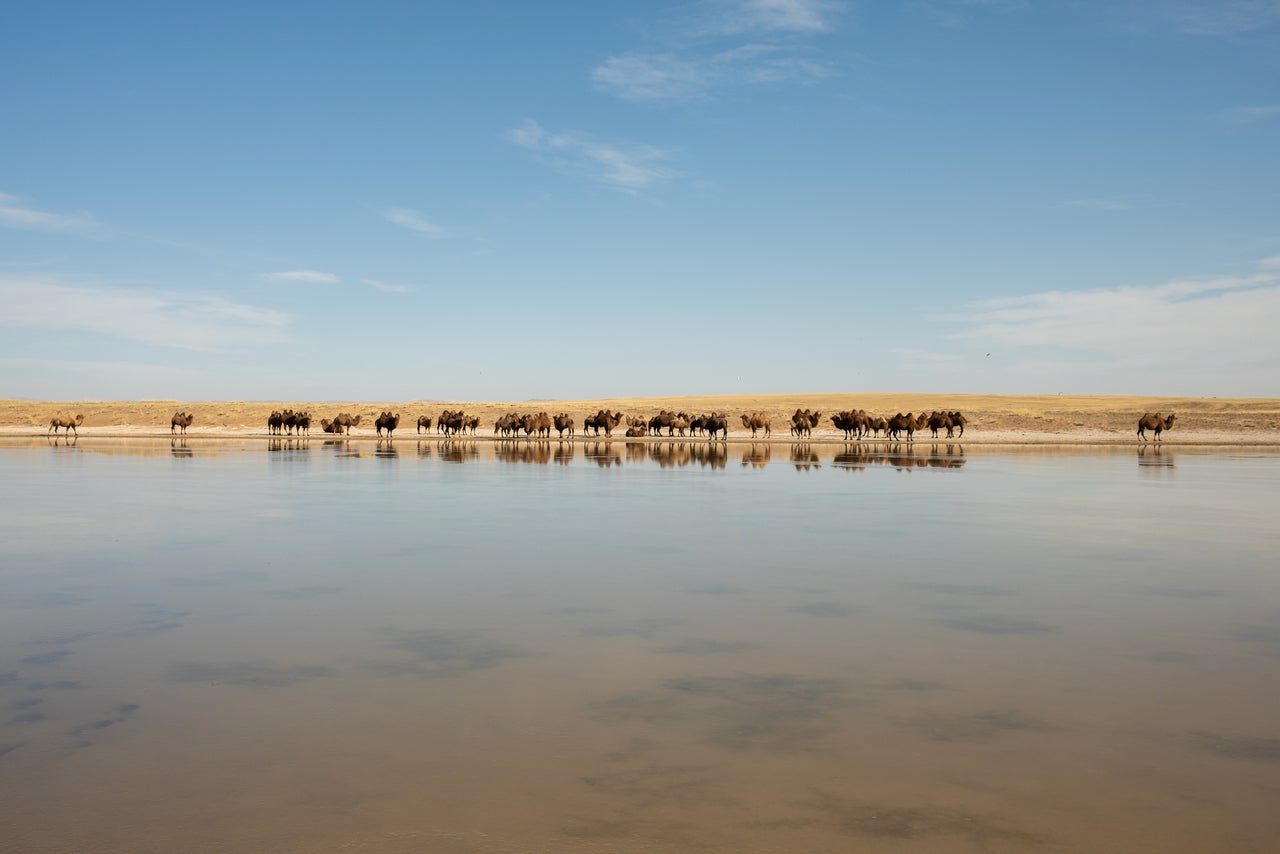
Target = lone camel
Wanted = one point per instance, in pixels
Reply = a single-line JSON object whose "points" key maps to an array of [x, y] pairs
{"points": [[1154, 422], [67, 422]]}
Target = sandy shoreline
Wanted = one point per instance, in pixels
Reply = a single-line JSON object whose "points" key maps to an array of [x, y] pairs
{"points": [[992, 419]]}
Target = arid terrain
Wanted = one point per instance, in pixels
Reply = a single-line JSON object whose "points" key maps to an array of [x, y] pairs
{"points": [[1038, 419]]}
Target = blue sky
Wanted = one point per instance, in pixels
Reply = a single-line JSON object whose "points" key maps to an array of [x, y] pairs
{"points": [[506, 201]]}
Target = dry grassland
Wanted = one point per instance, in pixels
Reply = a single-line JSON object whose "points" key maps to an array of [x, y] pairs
{"points": [[992, 418]]}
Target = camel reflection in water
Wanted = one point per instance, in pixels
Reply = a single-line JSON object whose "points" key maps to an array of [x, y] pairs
{"points": [[901, 456], [804, 457], [564, 453], [178, 447], [280, 445], [1153, 458], [603, 454], [452, 451], [386, 449], [680, 454], [512, 451], [756, 456]]}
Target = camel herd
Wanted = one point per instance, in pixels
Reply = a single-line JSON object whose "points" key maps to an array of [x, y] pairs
{"points": [[855, 424]]}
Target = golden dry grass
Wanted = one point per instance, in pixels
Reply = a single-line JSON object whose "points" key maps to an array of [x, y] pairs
{"points": [[992, 418]]}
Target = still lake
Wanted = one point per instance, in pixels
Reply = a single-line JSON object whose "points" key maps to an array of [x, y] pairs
{"points": [[453, 646]]}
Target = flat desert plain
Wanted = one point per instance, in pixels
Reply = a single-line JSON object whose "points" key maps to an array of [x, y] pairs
{"points": [[992, 419]]}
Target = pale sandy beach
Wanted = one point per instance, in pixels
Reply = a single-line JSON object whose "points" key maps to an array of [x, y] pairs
{"points": [[992, 419]]}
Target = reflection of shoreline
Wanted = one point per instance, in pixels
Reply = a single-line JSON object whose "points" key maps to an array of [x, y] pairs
{"points": [[947, 455], [665, 453]]}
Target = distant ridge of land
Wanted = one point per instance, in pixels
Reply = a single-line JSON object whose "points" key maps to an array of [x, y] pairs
{"points": [[991, 418]]}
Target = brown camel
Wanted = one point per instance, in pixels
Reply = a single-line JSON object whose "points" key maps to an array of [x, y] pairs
{"points": [[757, 421], [275, 422], [424, 423], [1154, 422], [330, 426], [853, 423], [604, 418], [717, 422], [66, 422], [563, 422], [346, 421], [180, 420], [387, 421], [939, 420]]}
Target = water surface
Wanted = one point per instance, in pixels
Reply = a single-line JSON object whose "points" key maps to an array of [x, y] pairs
{"points": [[301, 645]]}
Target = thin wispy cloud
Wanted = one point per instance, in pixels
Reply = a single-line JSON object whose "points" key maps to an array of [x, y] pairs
{"points": [[387, 287], [1252, 115], [15, 214], [1222, 18], [666, 77], [737, 17], [630, 167], [414, 221], [697, 62], [1223, 321], [159, 318], [1100, 204], [315, 277]]}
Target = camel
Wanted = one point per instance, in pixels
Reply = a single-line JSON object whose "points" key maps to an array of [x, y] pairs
{"points": [[563, 422], [957, 420], [442, 423], [330, 426], [275, 422], [387, 421], [302, 423], [506, 425], [853, 423], [455, 423], [604, 418], [346, 422], [637, 430], [906, 423], [180, 420], [424, 423], [938, 420], [1154, 422], [717, 422], [803, 422], [662, 419], [66, 422], [757, 421]]}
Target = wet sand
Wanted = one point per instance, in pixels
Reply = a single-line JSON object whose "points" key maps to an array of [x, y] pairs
{"points": [[1017, 419]]}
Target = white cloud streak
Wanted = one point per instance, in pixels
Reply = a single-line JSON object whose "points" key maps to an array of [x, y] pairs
{"points": [[1253, 115], [157, 318], [1222, 18], [628, 167], [414, 221], [387, 287], [736, 17], [1210, 328], [771, 55], [315, 277], [13, 214], [666, 77]]}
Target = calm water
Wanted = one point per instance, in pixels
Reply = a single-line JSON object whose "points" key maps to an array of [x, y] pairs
{"points": [[453, 646]]}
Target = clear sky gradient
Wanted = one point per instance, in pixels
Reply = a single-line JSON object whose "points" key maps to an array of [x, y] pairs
{"points": [[506, 201]]}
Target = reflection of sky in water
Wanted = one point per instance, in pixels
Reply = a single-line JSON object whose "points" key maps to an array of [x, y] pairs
{"points": [[651, 645]]}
